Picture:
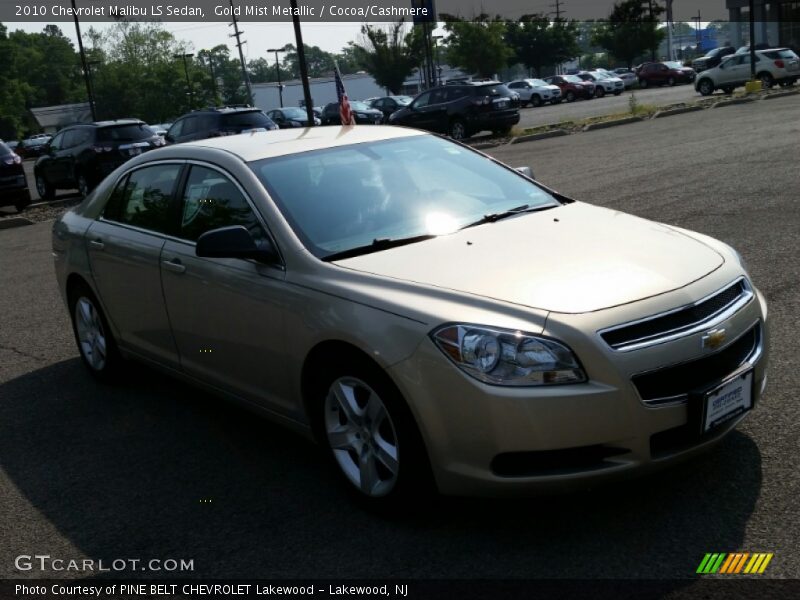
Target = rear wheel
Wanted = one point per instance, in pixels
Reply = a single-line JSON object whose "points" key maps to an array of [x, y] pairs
{"points": [[93, 336], [84, 187], [643, 83], [457, 130], [45, 189], [767, 80]]}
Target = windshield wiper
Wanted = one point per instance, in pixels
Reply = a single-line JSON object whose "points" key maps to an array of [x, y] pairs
{"points": [[377, 245], [494, 217]]}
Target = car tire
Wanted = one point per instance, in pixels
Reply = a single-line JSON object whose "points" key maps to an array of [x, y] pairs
{"points": [[93, 336], [671, 82], [536, 101], [370, 436], [643, 83], [22, 203], [705, 87], [767, 80], [84, 185], [46, 190], [570, 96], [457, 130], [599, 92]]}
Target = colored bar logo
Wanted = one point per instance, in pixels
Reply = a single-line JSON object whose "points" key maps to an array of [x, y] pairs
{"points": [[734, 563]]}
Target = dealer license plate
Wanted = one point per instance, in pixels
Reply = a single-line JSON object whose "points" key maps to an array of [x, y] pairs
{"points": [[728, 401]]}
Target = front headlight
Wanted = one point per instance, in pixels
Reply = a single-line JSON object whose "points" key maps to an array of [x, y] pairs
{"points": [[504, 357]]}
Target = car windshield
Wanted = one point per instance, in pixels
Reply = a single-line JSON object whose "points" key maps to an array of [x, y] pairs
{"points": [[348, 197], [538, 82], [498, 89], [573, 79], [4, 150], [359, 106], [403, 100], [674, 64], [124, 133], [34, 142], [295, 113], [253, 118]]}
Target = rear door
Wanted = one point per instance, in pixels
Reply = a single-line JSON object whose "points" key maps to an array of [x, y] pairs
{"points": [[226, 314], [124, 247]]}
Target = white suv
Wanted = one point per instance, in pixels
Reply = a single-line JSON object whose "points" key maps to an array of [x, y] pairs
{"points": [[776, 65], [603, 83], [535, 91]]}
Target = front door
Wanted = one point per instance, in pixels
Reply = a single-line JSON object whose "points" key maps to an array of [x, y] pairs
{"points": [[226, 314]]}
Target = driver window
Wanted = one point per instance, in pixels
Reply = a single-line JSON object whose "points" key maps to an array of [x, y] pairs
{"points": [[422, 100], [211, 201], [55, 143]]}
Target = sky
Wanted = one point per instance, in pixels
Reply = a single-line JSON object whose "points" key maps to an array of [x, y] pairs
{"points": [[331, 37]]}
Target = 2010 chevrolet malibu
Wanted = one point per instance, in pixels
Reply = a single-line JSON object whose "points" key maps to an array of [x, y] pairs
{"points": [[428, 314]]}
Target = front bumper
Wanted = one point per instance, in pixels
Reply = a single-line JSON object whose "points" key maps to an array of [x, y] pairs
{"points": [[13, 188], [494, 441]]}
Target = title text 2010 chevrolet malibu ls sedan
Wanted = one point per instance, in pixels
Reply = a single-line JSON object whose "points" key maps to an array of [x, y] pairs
{"points": [[429, 314]]}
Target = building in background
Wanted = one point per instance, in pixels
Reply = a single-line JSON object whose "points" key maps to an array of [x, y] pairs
{"points": [[53, 118], [777, 22]]}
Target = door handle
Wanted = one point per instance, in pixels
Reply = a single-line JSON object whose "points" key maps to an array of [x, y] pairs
{"points": [[97, 244], [174, 265]]}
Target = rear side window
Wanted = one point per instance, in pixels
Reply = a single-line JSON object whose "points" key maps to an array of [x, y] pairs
{"points": [[143, 200], [493, 90], [124, 133], [211, 201], [776, 54], [246, 120]]}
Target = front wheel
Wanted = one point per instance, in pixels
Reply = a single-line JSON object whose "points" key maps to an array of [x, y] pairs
{"points": [[371, 435], [84, 187], [671, 82], [536, 101], [643, 83], [570, 96], [705, 87], [599, 92]]}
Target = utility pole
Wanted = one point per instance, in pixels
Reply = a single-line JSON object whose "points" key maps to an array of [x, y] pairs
{"points": [[301, 58], [189, 90], [557, 12], [239, 43], [213, 78], [670, 51], [83, 63], [752, 40], [436, 39], [652, 50], [278, 72]]}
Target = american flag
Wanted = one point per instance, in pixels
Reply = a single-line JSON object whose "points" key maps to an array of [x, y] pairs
{"points": [[345, 114]]}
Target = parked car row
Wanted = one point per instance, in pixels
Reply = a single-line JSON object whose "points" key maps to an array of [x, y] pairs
{"points": [[13, 184], [773, 66]]}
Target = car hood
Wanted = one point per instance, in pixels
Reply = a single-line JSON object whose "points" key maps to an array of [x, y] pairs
{"points": [[573, 259]]}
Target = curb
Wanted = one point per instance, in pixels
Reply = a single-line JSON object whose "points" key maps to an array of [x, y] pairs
{"points": [[13, 222], [484, 145], [56, 202], [724, 103], [677, 111], [539, 136], [781, 94], [607, 124]]}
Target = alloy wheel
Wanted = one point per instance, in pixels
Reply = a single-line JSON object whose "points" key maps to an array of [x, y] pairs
{"points": [[91, 335], [83, 185], [41, 186], [362, 436], [458, 131]]}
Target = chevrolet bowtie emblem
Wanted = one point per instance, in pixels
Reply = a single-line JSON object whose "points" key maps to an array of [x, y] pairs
{"points": [[714, 339]]}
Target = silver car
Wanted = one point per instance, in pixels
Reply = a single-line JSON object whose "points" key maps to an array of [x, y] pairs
{"points": [[431, 316]]}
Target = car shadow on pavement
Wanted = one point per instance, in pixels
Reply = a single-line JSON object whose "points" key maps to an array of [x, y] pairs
{"points": [[153, 468]]}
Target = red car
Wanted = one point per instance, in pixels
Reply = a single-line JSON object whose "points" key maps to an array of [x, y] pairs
{"points": [[664, 73], [572, 87]]}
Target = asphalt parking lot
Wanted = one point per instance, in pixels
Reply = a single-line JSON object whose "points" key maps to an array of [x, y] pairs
{"points": [[155, 469]]}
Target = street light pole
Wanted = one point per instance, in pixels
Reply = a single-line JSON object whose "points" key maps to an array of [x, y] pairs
{"points": [[301, 58], [189, 90], [89, 66], [278, 72], [83, 62], [751, 10], [436, 39]]}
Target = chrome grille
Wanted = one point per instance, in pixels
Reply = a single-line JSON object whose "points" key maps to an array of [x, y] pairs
{"points": [[679, 322]]}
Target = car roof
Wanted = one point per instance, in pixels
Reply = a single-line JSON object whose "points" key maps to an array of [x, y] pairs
{"points": [[270, 144]]}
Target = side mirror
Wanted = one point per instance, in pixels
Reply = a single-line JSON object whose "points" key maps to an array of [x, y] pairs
{"points": [[234, 242], [527, 171]]}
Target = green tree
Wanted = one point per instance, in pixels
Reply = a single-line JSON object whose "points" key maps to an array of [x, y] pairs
{"points": [[630, 31], [537, 42], [389, 55], [477, 46]]}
